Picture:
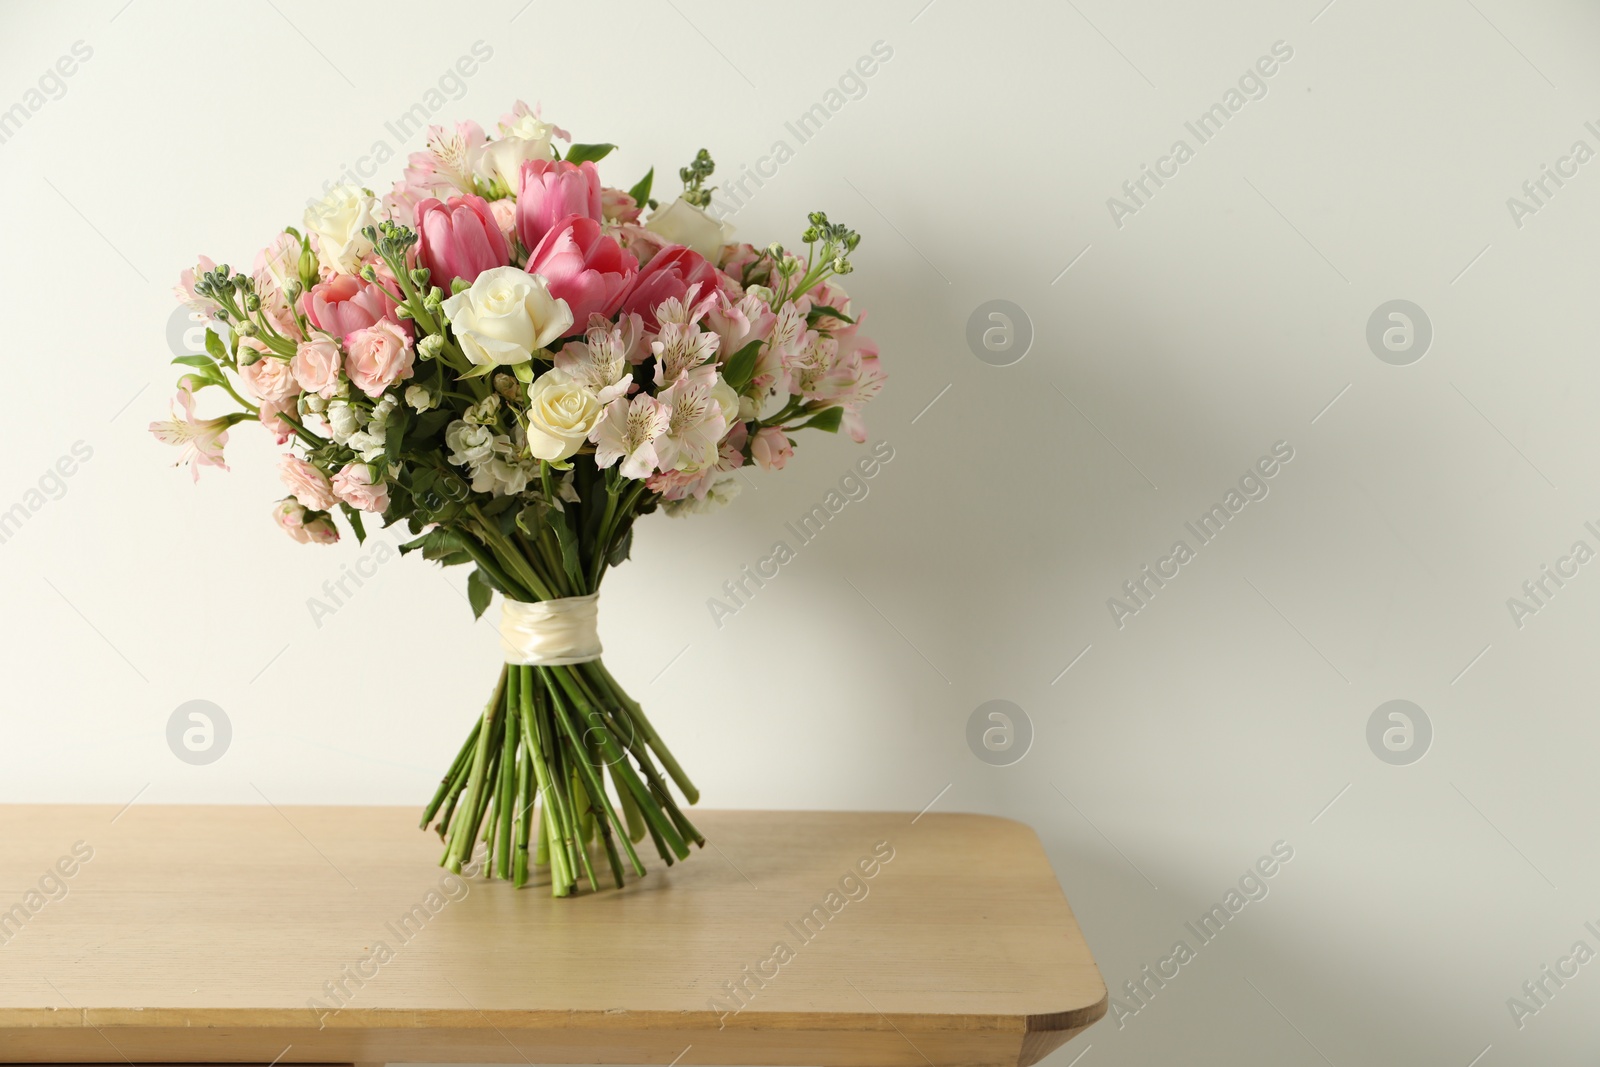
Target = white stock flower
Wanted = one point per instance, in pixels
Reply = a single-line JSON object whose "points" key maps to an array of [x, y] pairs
{"points": [[561, 413], [469, 444], [337, 221], [419, 397], [681, 223], [505, 316], [343, 420]]}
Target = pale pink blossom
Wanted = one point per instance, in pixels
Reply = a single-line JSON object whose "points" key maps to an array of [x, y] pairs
{"points": [[771, 449], [628, 431], [695, 426], [291, 517], [306, 483], [316, 365], [738, 322], [184, 290], [202, 440], [270, 379], [355, 487], [379, 356], [681, 350], [599, 362]]}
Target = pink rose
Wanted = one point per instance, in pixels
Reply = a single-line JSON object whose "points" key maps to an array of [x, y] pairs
{"points": [[379, 355], [552, 190], [291, 518], [584, 267], [618, 206], [460, 239], [771, 449], [344, 304], [269, 379], [670, 275], [316, 365], [308, 485], [354, 487]]}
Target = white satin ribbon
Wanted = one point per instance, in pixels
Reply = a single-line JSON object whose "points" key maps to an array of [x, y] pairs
{"points": [[551, 633]]}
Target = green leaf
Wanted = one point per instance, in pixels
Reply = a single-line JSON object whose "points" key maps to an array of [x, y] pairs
{"points": [[482, 371], [571, 562], [203, 362], [394, 431], [215, 347], [620, 550], [353, 517], [828, 420], [431, 422], [741, 366], [641, 192], [822, 311], [588, 153], [479, 593]]}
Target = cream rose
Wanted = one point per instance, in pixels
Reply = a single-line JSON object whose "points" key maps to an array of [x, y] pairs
{"points": [[561, 413], [505, 316], [337, 221], [680, 222]]}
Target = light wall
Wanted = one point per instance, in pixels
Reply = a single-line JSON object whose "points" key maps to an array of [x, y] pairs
{"points": [[1176, 341]]}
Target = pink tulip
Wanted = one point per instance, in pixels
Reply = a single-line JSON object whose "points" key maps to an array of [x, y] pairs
{"points": [[670, 275], [344, 304], [552, 190], [584, 267], [459, 239]]}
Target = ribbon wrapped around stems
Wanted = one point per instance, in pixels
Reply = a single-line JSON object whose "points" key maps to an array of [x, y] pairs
{"points": [[551, 633]]}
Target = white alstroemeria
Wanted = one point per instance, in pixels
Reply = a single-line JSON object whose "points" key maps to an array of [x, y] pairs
{"points": [[683, 349], [525, 137], [694, 426], [789, 333], [599, 363], [629, 432], [814, 363], [456, 155], [337, 221], [470, 444]]}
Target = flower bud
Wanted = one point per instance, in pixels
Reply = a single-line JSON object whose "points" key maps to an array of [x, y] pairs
{"points": [[430, 346]]}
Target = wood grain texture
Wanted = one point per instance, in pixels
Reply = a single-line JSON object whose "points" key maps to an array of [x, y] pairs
{"points": [[233, 933]]}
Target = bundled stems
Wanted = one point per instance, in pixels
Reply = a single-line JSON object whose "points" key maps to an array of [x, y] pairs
{"points": [[540, 754]]}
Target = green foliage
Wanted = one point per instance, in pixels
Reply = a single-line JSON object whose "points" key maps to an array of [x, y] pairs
{"points": [[588, 153]]}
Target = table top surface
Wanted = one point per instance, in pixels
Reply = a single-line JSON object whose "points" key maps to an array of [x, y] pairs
{"points": [[339, 918]]}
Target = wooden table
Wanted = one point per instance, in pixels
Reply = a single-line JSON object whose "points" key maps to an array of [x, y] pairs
{"points": [[329, 935]]}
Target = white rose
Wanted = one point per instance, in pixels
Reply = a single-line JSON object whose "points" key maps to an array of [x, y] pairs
{"points": [[561, 412], [680, 222], [726, 399], [506, 316], [337, 220]]}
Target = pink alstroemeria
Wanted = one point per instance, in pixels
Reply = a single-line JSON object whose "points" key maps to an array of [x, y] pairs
{"points": [[202, 440], [628, 431]]}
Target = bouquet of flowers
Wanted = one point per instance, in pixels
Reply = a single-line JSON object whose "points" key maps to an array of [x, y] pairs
{"points": [[517, 361]]}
